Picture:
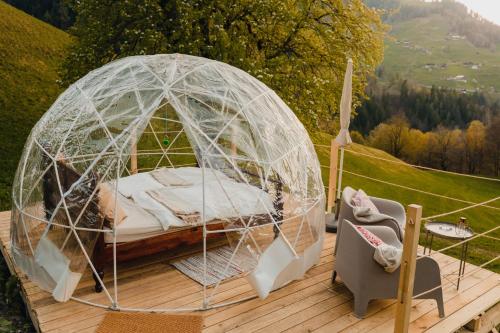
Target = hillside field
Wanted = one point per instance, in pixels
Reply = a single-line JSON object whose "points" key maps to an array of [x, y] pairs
{"points": [[30, 52], [422, 50]]}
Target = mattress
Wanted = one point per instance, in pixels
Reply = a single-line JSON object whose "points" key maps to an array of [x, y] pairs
{"points": [[138, 224], [147, 217]]}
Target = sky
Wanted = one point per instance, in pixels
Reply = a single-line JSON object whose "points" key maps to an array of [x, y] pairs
{"points": [[489, 9]]}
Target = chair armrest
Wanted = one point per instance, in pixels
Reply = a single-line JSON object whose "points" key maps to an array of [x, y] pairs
{"points": [[390, 223], [427, 275], [354, 256], [390, 207]]}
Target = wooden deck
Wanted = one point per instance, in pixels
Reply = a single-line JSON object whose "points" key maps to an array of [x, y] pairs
{"points": [[311, 304]]}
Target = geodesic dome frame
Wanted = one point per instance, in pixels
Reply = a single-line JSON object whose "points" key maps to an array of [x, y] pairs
{"points": [[109, 125]]}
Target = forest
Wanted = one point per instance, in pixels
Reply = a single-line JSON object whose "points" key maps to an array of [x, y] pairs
{"points": [[425, 109], [58, 13], [437, 127], [473, 150]]}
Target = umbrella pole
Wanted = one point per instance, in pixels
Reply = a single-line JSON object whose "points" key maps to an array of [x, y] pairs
{"points": [[339, 187], [331, 220]]}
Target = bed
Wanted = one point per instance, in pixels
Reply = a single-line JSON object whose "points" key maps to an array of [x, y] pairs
{"points": [[159, 210], [163, 210]]}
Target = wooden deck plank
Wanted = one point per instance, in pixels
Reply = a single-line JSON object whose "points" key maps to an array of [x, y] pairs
{"points": [[181, 293], [337, 324], [306, 305], [323, 318], [383, 321], [428, 320], [460, 317]]}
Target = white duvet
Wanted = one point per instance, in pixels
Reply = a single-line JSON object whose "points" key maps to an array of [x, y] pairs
{"points": [[224, 198]]}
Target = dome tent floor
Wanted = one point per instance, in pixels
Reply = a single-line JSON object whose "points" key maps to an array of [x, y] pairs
{"points": [[283, 310]]}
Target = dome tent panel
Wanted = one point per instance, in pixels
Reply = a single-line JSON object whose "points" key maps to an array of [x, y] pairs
{"points": [[258, 180]]}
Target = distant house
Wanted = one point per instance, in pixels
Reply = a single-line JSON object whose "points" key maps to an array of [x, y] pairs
{"points": [[458, 78], [456, 37]]}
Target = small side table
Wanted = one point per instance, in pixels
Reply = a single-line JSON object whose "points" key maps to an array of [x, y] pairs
{"points": [[449, 230]]}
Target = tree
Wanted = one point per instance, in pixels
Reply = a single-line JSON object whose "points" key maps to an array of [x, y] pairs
{"points": [[299, 48], [357, 137], [493, 144], [414, 150], [444, 141], [56, 12], [474, 145], [392, 136]]}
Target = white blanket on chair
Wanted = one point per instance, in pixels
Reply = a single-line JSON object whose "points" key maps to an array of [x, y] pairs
{"points": [[366, 215]]}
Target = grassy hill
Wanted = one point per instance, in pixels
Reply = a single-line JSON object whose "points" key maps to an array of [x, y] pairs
{"points": [[427, 50], [465, 188], [30, 51]]}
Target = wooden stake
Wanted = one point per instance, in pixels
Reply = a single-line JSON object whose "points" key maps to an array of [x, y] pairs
{"points": [[234, 148], [408, 266], [332, 178], [133, 153]]}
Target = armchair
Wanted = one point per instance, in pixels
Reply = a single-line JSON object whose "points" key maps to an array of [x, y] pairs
{"points": [[367, 280], [385, 206]]}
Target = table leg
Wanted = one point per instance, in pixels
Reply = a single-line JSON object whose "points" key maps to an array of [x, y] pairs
{"points": [[426, 238], [463, 256], [430, 247]]}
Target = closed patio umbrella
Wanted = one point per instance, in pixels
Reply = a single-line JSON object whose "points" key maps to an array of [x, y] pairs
{"points": [[343, 138]]}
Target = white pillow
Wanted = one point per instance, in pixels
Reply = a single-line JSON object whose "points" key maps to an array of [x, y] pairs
{"points": [[108, 203], [360, 199]]}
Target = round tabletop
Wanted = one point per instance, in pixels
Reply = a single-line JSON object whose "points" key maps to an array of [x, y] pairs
{"points": [[448, 230]]}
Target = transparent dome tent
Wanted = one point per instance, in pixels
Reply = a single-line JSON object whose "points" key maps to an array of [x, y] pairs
{"points": [[150, 146]]}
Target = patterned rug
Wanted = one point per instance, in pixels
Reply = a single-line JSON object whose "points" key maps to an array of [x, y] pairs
{"points": [[217, 260]]}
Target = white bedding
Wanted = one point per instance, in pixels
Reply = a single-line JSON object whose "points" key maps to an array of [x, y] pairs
{"points": [[127, 186], [146, 217]]}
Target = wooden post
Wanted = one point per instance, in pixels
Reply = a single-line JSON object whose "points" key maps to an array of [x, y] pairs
{"points": [[133, 153], [408, 266], [332, 178], [234, 148]]}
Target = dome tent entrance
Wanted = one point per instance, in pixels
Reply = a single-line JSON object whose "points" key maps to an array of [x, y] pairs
{"points": [[224, 147]]}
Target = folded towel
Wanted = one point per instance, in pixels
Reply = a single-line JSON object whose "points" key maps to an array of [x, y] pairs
{"points": [[167, 198], [166, 217], [168, 178]]}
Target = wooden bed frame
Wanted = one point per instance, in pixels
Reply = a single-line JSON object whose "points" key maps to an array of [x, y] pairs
{"points": [[178, 237]]}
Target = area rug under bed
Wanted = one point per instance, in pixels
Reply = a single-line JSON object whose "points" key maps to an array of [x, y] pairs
{"points": [[217, 260]]}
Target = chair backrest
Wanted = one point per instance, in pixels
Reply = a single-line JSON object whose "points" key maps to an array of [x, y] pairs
{"points": [[346, 207]]}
